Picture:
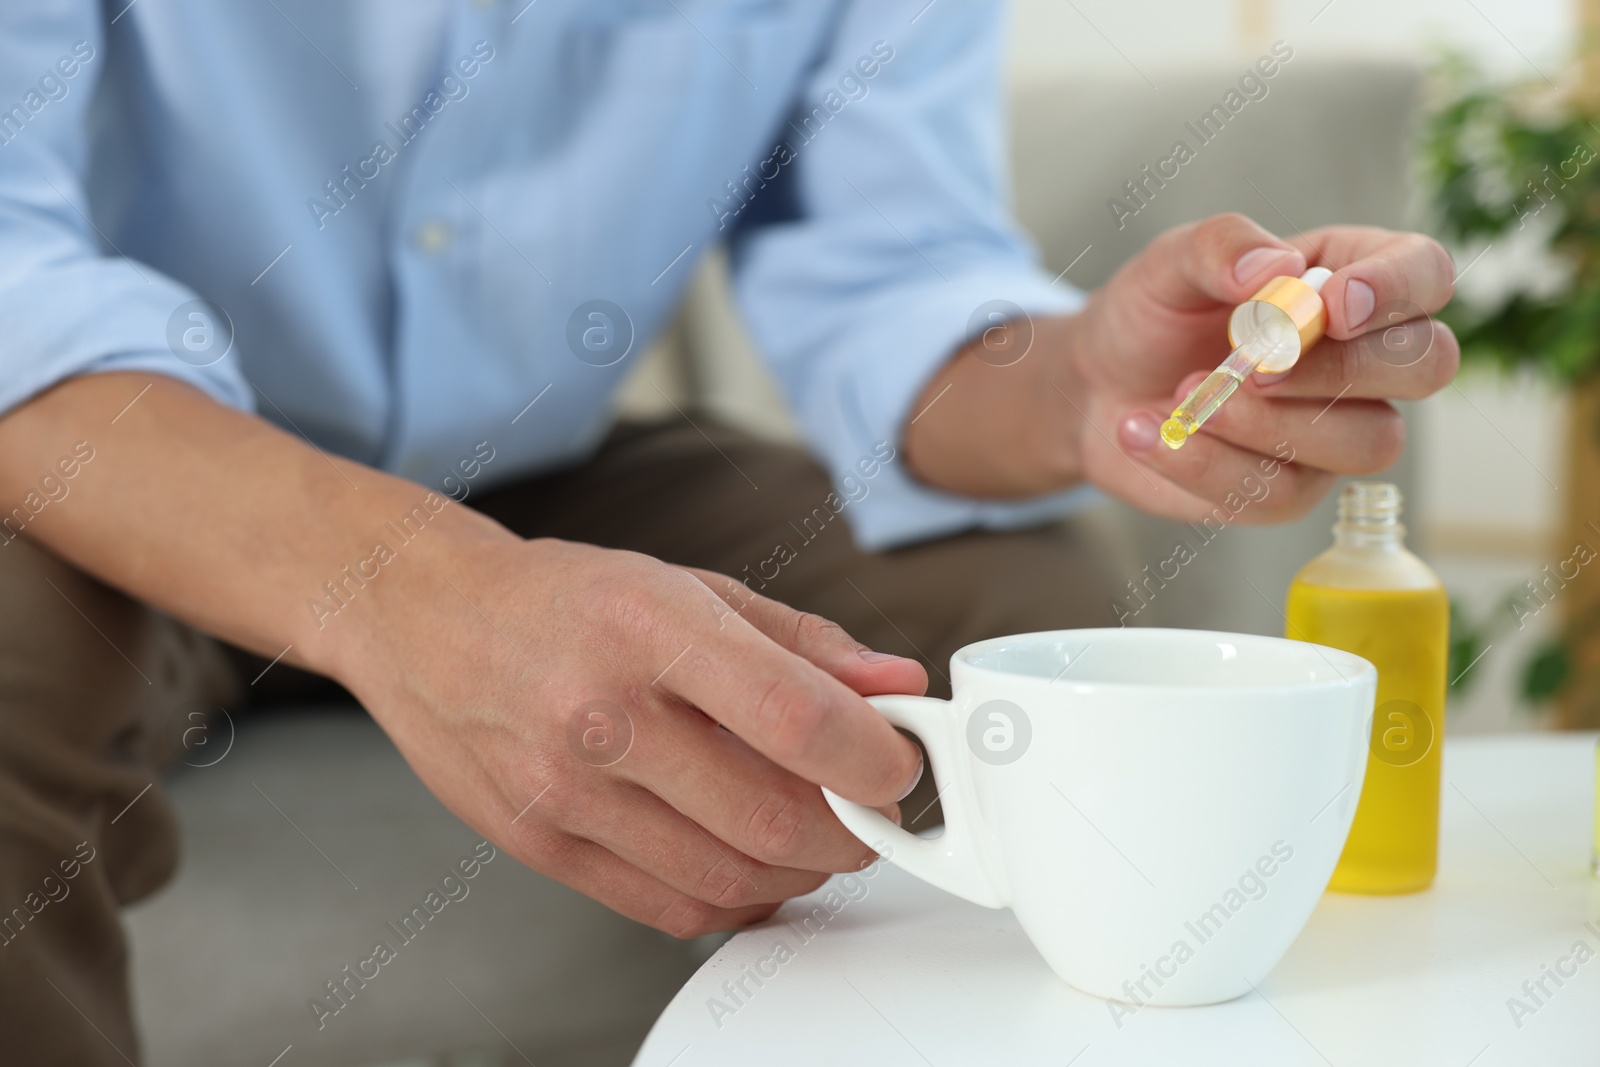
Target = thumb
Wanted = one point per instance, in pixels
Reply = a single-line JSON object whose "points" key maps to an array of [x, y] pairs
{"points": [[1220, 260], [821, 641]]}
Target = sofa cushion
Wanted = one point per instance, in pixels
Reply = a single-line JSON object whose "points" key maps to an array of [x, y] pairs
{"points": [[302, 846]]}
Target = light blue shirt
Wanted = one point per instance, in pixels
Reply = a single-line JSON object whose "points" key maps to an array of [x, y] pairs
{"points": [[400, 228]]}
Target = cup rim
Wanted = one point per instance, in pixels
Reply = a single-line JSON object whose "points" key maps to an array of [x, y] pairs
{"points": [[1360, 669]]}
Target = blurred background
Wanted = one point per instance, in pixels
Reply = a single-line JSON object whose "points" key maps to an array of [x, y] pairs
{"points": [[1475, 120], [1468, 119]]}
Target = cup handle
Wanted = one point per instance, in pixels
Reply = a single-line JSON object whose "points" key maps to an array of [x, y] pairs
{"points": [[956, 862]]}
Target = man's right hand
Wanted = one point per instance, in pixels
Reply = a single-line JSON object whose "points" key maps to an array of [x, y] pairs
{"points": [[477, 650], [710, 712]]}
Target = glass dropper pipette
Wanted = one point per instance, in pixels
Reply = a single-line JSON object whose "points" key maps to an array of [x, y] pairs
{"points": [[1269, 332], [1208, 396]]}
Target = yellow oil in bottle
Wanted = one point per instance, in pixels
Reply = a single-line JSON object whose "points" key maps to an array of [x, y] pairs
{"points": [[1369, 596]]}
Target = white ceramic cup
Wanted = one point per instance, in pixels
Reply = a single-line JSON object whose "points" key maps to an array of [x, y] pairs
{"points": [[1161, 809]]}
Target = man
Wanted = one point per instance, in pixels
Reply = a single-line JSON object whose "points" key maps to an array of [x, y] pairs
{"points": [[280, 279]]}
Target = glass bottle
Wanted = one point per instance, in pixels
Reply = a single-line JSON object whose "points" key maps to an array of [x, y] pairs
{"points": [[1370, 596]]}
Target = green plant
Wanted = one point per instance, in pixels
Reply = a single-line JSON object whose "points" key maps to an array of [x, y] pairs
{"points": [[1520, 163], [1501, 159], [1473, 636]]}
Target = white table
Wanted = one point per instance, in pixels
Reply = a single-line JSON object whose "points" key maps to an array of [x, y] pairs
{"points": [[906, 974]]}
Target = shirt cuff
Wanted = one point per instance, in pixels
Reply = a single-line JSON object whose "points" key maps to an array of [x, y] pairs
{"points": [[99, 316], [907, 339]]}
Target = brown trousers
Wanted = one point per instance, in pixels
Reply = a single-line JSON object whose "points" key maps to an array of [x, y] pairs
{"points": [[96, 690]]}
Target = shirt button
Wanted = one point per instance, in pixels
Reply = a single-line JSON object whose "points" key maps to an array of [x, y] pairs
{"points": [[433, 237]]}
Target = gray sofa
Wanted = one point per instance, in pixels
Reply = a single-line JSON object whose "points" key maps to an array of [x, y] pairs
{"points": [[311, 834]]}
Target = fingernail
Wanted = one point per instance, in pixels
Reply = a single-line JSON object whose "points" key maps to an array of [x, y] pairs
{"points": [[1139, 432], [1358, 303], [1255, 262], [1262, 380], [877, 657], [915, 778]]}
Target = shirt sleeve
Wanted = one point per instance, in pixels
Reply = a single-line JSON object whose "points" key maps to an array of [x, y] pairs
{"points": [[70, 301], [887, 246]]}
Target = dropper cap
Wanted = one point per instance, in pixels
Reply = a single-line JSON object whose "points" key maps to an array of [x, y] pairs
{"points": [[1285, 317], [1268, 333]]}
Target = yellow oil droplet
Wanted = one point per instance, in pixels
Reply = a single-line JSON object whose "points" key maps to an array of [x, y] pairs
{"points": [[1174, 433]]}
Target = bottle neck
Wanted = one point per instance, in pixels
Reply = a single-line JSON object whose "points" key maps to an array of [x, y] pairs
{"points": [[1369, 538], [1369, 518]]}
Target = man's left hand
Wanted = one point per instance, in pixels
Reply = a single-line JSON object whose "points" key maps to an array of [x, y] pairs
{"points": [[1101, 382]]}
